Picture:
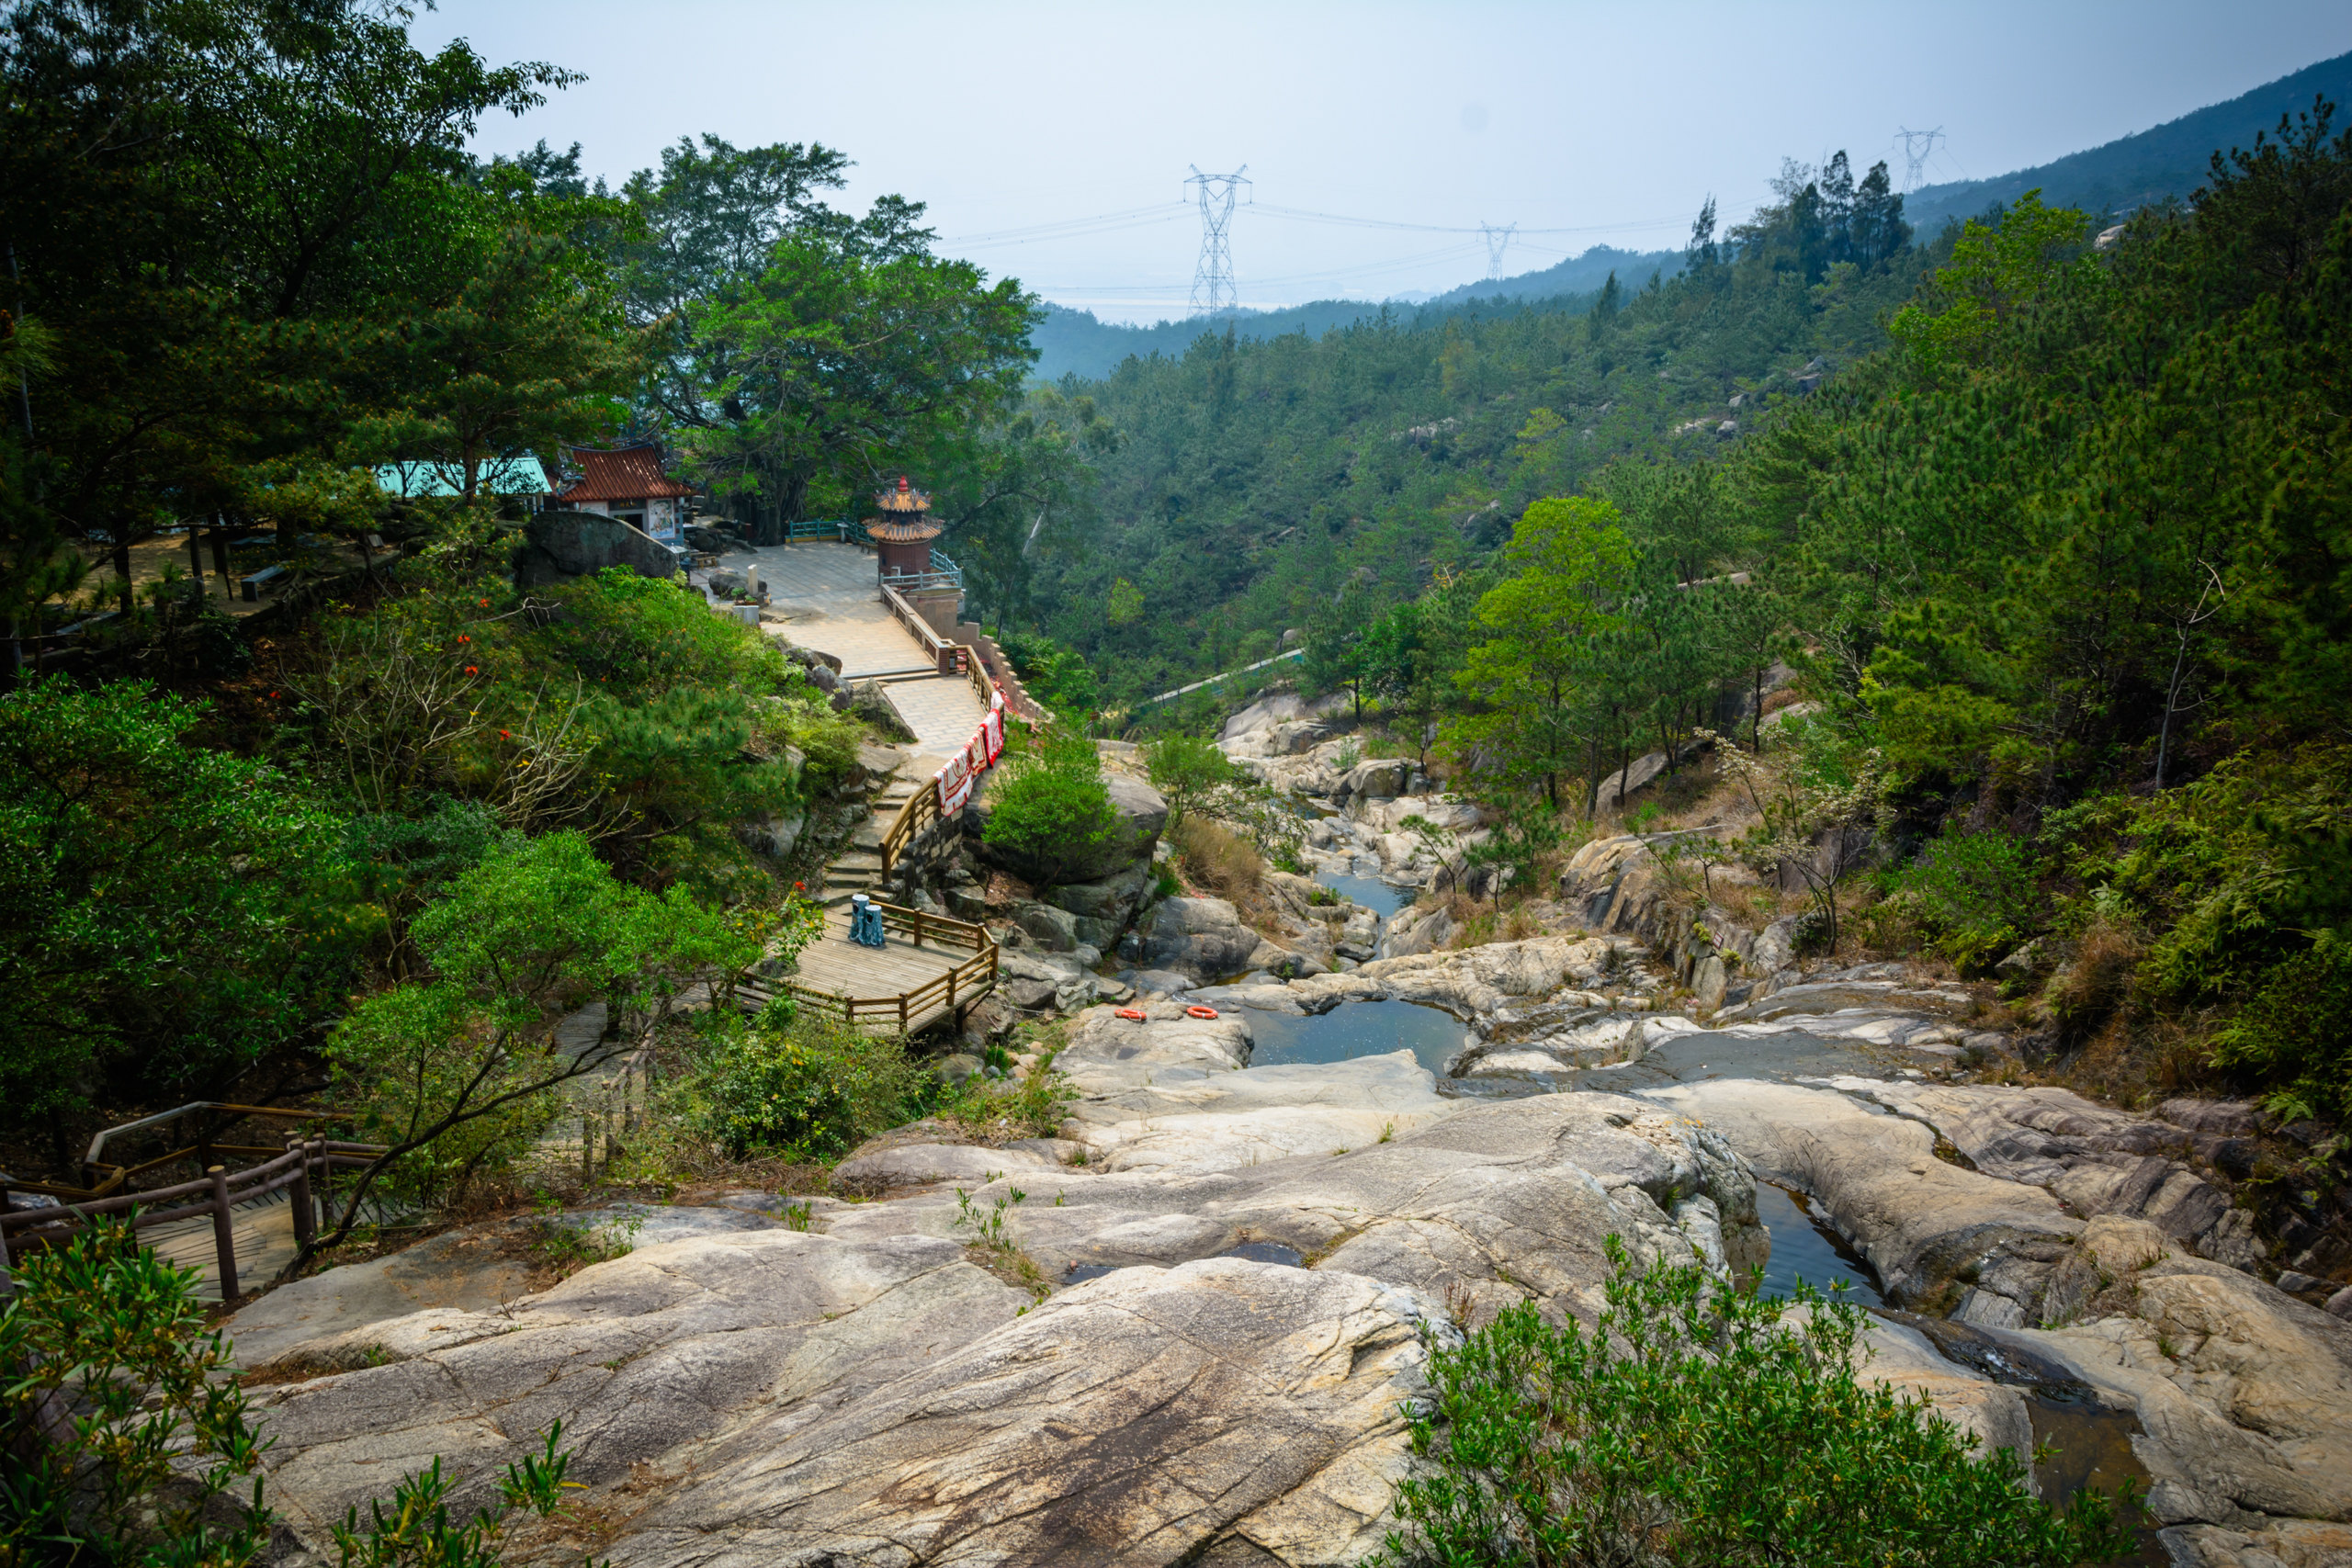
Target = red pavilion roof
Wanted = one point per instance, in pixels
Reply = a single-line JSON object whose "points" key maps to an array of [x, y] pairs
{"points": [[632, 473]]}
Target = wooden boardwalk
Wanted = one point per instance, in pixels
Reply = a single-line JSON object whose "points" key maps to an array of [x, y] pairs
{"points": [[929, 969]]}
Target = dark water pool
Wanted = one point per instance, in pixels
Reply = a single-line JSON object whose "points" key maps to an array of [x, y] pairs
{"points": [[1356, 1029], [1806, 1248], [1379, 897]]}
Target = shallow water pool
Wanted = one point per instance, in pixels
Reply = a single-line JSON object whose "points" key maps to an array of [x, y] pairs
{"points": [[1806, 1248], [1356, 1029], [1380, 897]]}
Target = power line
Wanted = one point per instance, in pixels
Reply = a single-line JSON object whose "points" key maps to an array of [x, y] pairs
{"points": [[1075, 228], [1498, 242], [1918, 146], [1213, 286]]}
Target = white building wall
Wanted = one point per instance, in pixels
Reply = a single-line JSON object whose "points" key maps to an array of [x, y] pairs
{"points": [[664, 516]]}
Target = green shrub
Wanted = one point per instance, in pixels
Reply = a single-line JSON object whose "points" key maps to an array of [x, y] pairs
{"points": [[1699, 1425], [1050, 807], [1185, 768], [1057, 677], [2292, 1035], [169, 915], [1026, 1108], [1973, 895], [810, 1089], [122, 1437]]}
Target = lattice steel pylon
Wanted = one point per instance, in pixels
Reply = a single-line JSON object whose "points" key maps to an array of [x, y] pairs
{"points": [[1213, 286], [1918, 146], [1498, 242]]}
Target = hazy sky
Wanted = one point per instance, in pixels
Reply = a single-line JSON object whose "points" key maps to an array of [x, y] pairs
{"points": [[1610, 123]]}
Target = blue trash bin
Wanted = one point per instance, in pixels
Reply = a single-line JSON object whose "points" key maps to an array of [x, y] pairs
{"points": [[865, 921]]}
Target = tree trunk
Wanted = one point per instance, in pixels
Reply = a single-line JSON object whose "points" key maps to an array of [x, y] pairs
{"points": [[220, 555]]}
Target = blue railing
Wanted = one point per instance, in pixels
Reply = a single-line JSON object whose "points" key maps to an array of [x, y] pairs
{"points": [[816, 529], [944, 573]]}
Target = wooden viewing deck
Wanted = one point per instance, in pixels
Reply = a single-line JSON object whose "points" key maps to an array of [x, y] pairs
{"points": [[930, 968]]}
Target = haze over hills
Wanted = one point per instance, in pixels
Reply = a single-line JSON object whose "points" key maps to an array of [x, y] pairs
{"points": [[1075, 342], [2172, 159], [2168, 160]]}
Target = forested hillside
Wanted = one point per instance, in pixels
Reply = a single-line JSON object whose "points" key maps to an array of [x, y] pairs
{"points": [[1253, 480], [1074, 342], [2154, 165], [2061, 550]]}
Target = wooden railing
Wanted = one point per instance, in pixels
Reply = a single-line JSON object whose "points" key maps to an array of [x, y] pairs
{"points": [[214, 1194], [614, 1113], [104, 1178], [920, 810], [967, 982]]}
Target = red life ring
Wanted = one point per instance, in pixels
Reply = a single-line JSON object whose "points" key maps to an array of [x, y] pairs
{"points": [[1200, 1012], [1136, 1014]]}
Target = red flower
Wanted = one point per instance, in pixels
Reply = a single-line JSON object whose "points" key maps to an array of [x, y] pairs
{"points": [[473, 669], [503, 736], [797, 887], [485, 604], [465, 639]]}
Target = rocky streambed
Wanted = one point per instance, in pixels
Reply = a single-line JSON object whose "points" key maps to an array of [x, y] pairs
{"points": [[1183, 1331]]}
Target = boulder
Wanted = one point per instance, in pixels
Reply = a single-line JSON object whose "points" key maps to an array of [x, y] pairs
{"points": [[1054, 930], [1634, 776], [1920, 1220], [771, 836], [1139, 814], [1203, 937], [864, 1393], [559, 545], [1383, 778], [869, 704], [1281, 708]]}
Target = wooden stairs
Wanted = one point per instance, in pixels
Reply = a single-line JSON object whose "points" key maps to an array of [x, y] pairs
{"points": [[858, 868]]}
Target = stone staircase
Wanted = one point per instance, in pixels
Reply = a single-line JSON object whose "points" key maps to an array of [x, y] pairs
{"points": [[858, 867]]}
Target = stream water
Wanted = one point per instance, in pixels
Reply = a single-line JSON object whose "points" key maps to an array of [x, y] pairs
{"points": [[1806, 1248], [1381, 897], [1356, 1029]]}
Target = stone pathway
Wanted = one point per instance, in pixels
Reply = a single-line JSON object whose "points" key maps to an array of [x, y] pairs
{"points": [[823, 595]]}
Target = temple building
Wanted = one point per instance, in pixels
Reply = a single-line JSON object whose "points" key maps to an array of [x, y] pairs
{"points": [[903, 535], [908, 563], [627, 484]]}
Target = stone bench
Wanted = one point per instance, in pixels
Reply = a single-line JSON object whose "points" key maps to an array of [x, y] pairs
{"points": [[267, 578]]}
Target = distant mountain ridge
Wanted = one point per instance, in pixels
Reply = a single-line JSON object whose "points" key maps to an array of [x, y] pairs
{"points": [[1076, 342], [2168, 160]]}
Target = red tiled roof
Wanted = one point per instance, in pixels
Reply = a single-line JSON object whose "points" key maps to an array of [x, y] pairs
{"points": [[633, 473]]}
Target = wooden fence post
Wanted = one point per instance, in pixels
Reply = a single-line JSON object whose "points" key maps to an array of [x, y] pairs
{"points": [[306, 1214], [587, 1148], [224, 1235]]}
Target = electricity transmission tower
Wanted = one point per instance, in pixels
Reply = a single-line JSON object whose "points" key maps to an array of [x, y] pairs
{"points": [[1498, 242], [1213, 286], [1918, 146]]}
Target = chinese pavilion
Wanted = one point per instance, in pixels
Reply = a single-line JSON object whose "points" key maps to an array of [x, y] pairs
{"points": [[903, 533]]}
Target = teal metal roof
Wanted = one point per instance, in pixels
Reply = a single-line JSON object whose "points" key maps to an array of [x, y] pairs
{"points": [[500, 476]]}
